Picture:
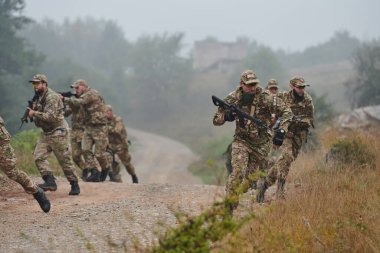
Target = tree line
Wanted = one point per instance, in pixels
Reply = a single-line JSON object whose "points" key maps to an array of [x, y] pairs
{"points": [[148, 80]]}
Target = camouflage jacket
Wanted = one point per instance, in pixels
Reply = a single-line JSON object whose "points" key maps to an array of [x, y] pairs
{"points": [[93, 105], [117, 133], [262, 108], [49, 113], [303, 111], [77, 116], [5, 137]]}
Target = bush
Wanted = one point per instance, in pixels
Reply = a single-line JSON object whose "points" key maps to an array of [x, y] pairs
{"points": [[24, 143], [354, 151]]}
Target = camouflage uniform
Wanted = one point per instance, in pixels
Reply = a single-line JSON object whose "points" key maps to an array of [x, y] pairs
{"points": [[8, 162], [251, 144], [118, 145], [303, 110], [8, 166], [272, 83], [96, 131], [49, 116], [76, 134]]}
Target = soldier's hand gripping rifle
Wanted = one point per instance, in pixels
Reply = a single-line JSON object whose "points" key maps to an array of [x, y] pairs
{"points": [[24, 118], [240, 114]]}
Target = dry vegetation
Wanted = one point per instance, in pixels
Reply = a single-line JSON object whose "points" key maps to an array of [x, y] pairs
{"points": [[334, 208]]}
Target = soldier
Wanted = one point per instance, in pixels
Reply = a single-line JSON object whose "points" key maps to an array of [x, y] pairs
{"points": [[302, 107], [272, 86], [118, 145], [8, 166], [96, 132], [251, 144], [76, 136], [47, 113]]}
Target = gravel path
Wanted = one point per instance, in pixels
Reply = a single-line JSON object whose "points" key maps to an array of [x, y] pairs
{"points": [[108, 217]]}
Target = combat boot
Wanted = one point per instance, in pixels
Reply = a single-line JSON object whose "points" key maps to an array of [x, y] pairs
{"points": [[280, 194], [135, 180], [95, 176], [75, 190], [85, 174], [262, 186], [114, 177], [42, 200], [103, 175], [49, 184]]}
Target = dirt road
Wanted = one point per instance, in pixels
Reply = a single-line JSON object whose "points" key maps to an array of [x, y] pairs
{"points": [[107, 217]]}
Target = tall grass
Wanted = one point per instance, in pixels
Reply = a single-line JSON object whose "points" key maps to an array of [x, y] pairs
{"points": [[330, 207], [333, 209]]}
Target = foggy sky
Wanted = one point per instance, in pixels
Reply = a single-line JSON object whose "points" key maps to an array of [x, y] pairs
{"points": [[287, 24]]}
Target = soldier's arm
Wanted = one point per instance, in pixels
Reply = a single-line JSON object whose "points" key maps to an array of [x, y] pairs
{"points": [[284, 111], [219, 117], [120, 127], [83, 100], [309, 113], [52, 110]]}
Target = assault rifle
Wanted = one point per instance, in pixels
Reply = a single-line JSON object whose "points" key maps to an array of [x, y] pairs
{"points": [[24, 118], [240, 114], [67, 94], [295, 118]]}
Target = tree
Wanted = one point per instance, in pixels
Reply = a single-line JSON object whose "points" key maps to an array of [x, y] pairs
{"points": [[17, 63], [339, 48], [264, 62], [364, 88], [159, 76]]}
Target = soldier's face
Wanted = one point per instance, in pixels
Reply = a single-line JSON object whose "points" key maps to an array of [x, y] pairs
{"points": [[39, 87], [300, 90], [79, 90], [273, 90], [109, 114], [249, 88]]}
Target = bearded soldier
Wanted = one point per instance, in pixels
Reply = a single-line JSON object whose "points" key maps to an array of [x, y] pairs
{"points": [[251, 144], [48, 114], [96, 132], [118, 145], [302, 107]]}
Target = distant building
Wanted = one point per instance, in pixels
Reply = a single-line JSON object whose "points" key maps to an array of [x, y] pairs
{"points": [[214, 55]]}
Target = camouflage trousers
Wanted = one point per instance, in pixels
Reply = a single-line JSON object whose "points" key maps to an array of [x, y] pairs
{"points": [[76, 137], [8, 164], [249, 163], [115, 166], [96, 138], [57, 142], [289, 152], [122, 154]]}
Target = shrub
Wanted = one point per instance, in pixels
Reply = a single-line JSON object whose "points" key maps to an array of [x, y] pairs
{"points": [[353, 150]]}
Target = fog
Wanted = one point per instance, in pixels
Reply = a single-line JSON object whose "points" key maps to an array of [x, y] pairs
{"points": [[291, 25]]}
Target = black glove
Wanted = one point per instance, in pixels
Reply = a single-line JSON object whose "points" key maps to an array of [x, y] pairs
{"points": [[228, 116], [279, 136]]}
